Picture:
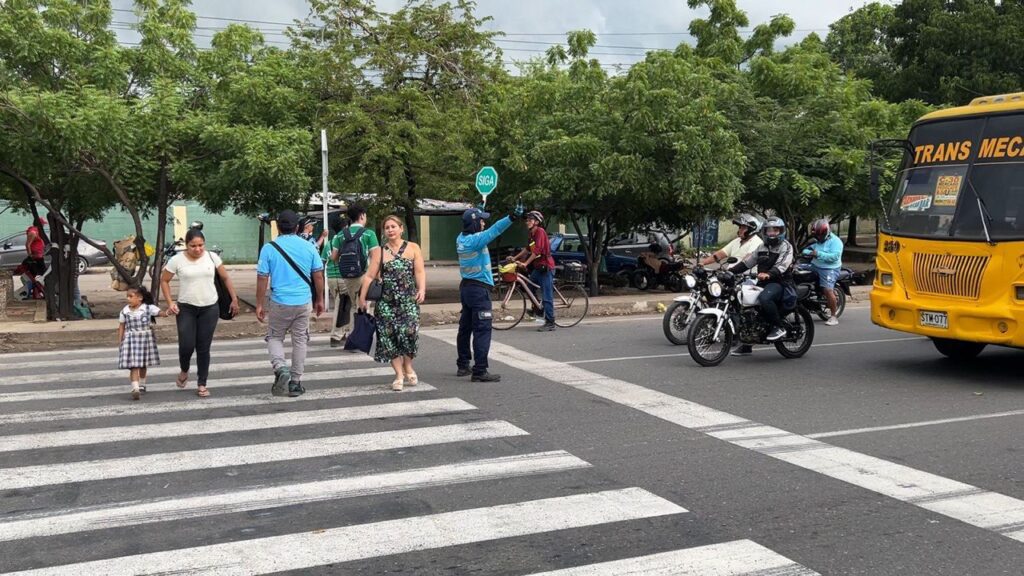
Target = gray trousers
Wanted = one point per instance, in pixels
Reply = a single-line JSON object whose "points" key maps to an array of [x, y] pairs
{"points": [[339, 286], [282, 319]]}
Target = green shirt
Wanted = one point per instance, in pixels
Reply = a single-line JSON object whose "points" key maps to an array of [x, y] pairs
{"points": [[368, 240], [332, 267]]}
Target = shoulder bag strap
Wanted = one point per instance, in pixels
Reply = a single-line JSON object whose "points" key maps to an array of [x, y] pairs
{"points": [[293, 264]]}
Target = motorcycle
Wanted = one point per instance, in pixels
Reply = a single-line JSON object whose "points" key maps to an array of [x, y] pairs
{"points": [[733, 314], [173, 248], [817, 303], [651, 271], [684, 308]]}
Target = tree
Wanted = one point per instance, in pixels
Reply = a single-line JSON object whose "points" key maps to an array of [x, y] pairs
{"points": [[859, 43], [718, 36]]}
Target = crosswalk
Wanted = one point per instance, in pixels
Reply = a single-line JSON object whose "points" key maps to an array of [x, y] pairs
{"points": [[349, 478]]}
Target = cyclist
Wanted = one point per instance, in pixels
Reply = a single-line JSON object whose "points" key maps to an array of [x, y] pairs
{"points": [[827, 252], [746, 242], [774, 264], [537, 259]]}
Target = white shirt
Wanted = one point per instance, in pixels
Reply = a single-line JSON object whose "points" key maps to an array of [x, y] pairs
{"points": [[195, 278], [740, 251]]}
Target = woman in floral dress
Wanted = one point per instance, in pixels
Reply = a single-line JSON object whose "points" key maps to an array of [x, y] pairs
{"points": [[404, 281]]}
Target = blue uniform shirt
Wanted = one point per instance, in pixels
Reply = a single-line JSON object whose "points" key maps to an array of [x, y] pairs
{"points": [[287, 287], [830, 252], [474, 259]]}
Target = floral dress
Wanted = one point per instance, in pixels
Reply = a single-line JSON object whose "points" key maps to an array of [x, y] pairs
{"points": [[398, 314], [138, 349]]}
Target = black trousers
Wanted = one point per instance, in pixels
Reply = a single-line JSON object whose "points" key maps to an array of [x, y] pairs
{"points": [[475, 322], [195, 334], [769, 300]]}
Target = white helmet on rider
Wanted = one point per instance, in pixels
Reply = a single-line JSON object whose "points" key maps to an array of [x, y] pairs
{"points": [[750, 224]]}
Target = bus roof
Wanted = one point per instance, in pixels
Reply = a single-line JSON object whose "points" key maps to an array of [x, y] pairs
{"points": [[981, 105]]}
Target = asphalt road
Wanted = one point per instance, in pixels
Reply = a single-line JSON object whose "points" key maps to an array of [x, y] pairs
{"points": [[872, 455]]}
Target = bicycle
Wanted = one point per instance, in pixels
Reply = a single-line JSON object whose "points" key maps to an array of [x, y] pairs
{"points": [[512, 290]]}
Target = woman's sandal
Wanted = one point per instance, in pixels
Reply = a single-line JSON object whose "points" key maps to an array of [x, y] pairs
{"points": [[412, 379], [397, 385], [181, 382], [202, 392]]}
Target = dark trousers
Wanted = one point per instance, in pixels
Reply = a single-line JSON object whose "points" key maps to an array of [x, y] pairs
{"points": [[546, 280], [475, 322], [195, 334], [769, 301]]}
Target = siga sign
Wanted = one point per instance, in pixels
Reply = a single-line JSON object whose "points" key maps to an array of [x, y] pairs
{"points": [[486, 180]]}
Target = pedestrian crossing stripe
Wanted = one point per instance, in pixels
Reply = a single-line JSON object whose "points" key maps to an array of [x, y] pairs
{"points": [[101, 358], [168, 348], [363, 541], [71, 521], [181, 429], [130, 408]]}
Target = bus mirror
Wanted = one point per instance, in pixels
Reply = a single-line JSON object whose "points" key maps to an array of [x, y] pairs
{"points": [[873, 183]]}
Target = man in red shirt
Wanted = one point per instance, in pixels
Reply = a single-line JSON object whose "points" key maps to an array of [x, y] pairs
{"points": [[541, 266], [33, 263]]}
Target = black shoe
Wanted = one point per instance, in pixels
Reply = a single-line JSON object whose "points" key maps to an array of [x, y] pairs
{"points": [[547, 327], [337, 343], [282, 377], [743, 350], [463, 372], [486, 377], [295, 389]]}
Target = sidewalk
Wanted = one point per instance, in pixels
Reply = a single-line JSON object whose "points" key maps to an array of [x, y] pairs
{"points": [[32, 336]]}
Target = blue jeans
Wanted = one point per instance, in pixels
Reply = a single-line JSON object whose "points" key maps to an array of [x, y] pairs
{"points": [[546, 281], [827, 277], [475, 324]]}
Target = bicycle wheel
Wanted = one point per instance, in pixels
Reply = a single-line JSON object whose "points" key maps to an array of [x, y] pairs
{"points": [[509, 306], [571, 305]]}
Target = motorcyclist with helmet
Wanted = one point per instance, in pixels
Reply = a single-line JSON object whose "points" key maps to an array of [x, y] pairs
{"points": [[746, 242], [774, 263], [827, 251]]}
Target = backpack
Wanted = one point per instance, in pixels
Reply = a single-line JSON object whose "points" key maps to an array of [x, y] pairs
{"points": [[351, 260]]}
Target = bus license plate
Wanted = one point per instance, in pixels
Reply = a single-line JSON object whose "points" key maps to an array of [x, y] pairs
{"points": [[935, 320]]}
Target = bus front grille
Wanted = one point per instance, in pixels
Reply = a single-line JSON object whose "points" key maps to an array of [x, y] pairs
{"points": [[949, 275]]}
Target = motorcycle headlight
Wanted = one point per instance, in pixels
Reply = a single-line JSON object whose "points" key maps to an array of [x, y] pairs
{"points": [[691, 282], [715, 289]]}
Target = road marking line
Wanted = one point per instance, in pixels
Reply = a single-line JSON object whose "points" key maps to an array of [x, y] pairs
{"points": [[164, 348], [110, 358], [335, 545], [52, 523], [118, 374], [183, 428], [133, 409], [915, 424], [988, 510], [210, 458], [89, 392], [623, 358], [738, 558]]}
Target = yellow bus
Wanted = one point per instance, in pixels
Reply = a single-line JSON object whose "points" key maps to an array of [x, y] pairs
{"points": [[950, 260]]}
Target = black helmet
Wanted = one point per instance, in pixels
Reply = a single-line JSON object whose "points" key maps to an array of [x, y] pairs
{"points": [[196, 225], [751, 223], [774, 222]]}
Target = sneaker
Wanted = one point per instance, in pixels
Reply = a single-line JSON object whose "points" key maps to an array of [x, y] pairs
{"points": [[463, 372], [136, 394], [486, 377], [832, 321], [776, 334], [742, 350], [295, 389], [547, 327], [282, 378]]}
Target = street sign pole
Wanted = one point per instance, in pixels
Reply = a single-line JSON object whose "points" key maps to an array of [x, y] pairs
{"points": [[323, 160]]}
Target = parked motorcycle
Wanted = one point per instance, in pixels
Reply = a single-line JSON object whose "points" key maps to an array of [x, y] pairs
{"points": [[684, 308], [816, 302], [733, 314], [651, 271]]}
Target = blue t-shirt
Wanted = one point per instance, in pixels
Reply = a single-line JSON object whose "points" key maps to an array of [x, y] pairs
{"points": [[474, 259], [830, 252], [287, 287]]}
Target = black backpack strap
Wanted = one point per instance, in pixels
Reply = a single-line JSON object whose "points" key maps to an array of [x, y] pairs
{"points": [[293, 264]]}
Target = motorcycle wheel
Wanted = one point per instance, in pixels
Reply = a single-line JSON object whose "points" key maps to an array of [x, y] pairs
{"points": [[677, 318], [641, 280], [675, 283], [701, 342], [802, 323]]}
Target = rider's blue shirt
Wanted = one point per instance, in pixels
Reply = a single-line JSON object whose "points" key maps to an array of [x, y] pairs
{"points": [[474, 259], [830, 252]]}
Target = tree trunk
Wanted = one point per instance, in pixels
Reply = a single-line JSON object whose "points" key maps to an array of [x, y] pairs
{"points": [[411, 230], [60, 279], [161, 218], [851, 234], [587, 252]]}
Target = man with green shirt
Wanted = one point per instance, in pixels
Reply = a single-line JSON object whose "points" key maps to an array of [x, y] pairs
{"points": [[350, 252]]}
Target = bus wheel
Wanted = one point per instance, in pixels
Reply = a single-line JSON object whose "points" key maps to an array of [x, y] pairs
{"points": [[958, 349]]}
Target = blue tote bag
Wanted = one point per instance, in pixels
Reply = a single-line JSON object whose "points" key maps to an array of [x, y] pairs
{"points": [[364, 327]]}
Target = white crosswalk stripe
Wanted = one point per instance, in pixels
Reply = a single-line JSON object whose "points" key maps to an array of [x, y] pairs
{"points": [[436, 442]]}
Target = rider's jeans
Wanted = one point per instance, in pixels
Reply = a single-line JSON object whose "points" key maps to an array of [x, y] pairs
{"points": [[769, 300], [546, 282]]}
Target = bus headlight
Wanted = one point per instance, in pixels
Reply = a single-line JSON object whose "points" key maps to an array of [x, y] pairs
{"points": [[691, 282], [886, 279], [715, 289]]}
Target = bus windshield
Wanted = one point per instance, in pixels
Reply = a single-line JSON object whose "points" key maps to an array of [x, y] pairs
{"points": [[955, 163]]}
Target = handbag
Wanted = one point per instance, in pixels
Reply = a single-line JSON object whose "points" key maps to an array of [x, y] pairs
{"points": [[376, 289], [363, 330], [223, 296]]}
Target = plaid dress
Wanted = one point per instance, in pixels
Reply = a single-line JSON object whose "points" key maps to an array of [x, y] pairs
{"points": [[138, 349]]}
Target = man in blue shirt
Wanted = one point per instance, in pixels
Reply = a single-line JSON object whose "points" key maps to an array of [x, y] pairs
{"points": [[827, 252], [295, 273], [475, 291]]}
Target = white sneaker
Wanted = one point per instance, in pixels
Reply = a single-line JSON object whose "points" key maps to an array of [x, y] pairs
{"points": [[832, 321], [776, 334]]}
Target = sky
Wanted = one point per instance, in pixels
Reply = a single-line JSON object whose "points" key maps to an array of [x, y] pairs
{"points": [[625, 28]]}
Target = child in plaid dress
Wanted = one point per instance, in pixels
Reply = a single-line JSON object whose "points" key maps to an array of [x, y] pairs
{"points": [[138, 343]]}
